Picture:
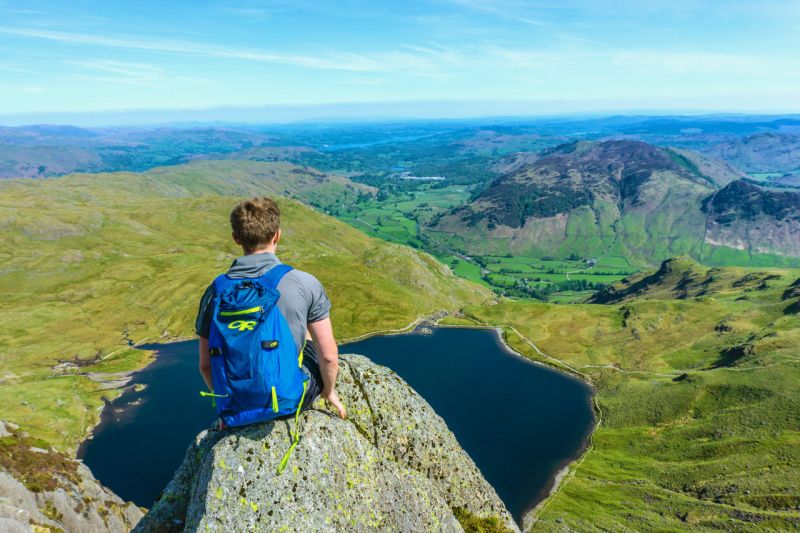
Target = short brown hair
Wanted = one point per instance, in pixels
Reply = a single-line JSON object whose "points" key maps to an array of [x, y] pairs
{"points": [[255, 222]]}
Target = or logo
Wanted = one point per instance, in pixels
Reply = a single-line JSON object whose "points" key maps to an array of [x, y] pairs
{"points": [[242, 325]]}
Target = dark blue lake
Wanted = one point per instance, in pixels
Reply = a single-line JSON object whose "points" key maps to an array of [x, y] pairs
{"points": [[524, 421]]}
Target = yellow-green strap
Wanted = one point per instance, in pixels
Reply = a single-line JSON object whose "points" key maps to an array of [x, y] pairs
{"points": [[213, 396], [300, 355], [296, 436]]}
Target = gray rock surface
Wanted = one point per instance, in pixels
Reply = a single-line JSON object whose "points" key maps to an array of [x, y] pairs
{"points": [[393, 465], [6, 428], [69, 500]]}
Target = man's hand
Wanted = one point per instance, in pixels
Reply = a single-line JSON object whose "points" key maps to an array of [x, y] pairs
{"points": [[322, 334], [333, 398]]}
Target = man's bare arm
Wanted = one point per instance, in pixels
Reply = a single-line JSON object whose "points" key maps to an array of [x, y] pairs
{"points": [[205, 362], [322, 334]]}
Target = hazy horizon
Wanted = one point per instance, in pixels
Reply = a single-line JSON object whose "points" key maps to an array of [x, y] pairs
{"points": [[360, 112], [306, 59]]}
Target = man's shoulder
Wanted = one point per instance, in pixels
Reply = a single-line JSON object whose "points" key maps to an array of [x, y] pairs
{"points": [[301, 278], [303, 289]]}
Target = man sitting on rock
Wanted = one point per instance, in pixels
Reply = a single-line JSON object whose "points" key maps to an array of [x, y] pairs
{"points": [[302, 302]]}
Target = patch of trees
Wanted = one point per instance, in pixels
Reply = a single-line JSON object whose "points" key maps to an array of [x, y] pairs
{"points": [[520, 289], [471, 217], [515, 206]]}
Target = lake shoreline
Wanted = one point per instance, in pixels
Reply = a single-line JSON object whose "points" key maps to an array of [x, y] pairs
{"points": [[556, 477], [560, 473]]}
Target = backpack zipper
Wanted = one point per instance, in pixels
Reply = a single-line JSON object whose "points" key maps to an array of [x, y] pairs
{"points": [[242, 311]]}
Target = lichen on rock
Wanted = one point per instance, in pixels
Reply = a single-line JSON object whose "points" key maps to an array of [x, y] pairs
{"points": [[392, 465]]}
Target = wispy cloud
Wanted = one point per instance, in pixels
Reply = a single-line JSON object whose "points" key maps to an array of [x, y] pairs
{"points": [[33, 90], [257, 11], [111, 71], [633, 60], [426, 59], [699, 62], [504, 9], [125, 73], [15, 69], [250, 13], [393, 61], [18, 11]]}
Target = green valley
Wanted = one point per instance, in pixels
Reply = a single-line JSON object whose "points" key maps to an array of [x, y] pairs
{"points": [[697, 374]]}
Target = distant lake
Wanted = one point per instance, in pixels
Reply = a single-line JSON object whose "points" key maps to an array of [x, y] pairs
{"points": [[390, 140], [523, 422]]}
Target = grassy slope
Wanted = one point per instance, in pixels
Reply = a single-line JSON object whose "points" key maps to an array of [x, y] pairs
{"points": [[700, 412], [89, 261]]}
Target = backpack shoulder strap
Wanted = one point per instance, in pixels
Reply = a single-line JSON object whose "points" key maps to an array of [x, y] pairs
{"points": [[221, 283], [273, 276]]}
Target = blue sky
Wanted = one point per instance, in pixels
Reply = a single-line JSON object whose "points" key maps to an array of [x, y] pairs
{"points": [[559, 56]]}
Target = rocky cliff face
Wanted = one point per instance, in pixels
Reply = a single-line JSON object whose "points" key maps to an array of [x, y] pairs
{"points": [[745, 216], [393, 465], [42, 490]]}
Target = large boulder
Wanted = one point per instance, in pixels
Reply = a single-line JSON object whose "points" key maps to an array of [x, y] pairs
{"points": [[392, 465], [44, 490]]}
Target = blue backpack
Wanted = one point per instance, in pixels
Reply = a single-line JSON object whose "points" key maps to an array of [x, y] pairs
{"points": [[255, 363]]}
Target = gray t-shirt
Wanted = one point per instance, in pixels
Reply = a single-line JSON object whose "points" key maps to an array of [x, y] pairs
{"points": [[303, 299]]}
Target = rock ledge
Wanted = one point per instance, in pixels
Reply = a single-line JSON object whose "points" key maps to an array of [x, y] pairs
{"points": [[393, 465]]}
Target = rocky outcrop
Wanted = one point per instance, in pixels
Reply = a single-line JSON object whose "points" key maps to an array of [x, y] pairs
{"points": [[43, 490], [746, 216], [392, 465]]}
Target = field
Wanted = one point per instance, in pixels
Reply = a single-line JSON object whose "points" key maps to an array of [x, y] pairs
{"points": [[551, 279], [698, 391], [401, 218], [397, 218], [122, 258]]}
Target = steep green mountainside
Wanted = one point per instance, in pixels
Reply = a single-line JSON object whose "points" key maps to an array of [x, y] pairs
{"points": [[717, 170], [613, 198], [698, 393], [93, 263]]}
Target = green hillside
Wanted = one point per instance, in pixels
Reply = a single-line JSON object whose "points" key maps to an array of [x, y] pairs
{"points": [[698, 392], [628, 199], [91, 263]]}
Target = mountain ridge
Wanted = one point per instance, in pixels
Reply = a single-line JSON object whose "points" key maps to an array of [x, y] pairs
{"points": [[620, 197]]}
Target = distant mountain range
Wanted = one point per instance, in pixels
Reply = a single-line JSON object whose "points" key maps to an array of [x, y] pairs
{"points": [[627, 198], [762, 152], [47, 151]]}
